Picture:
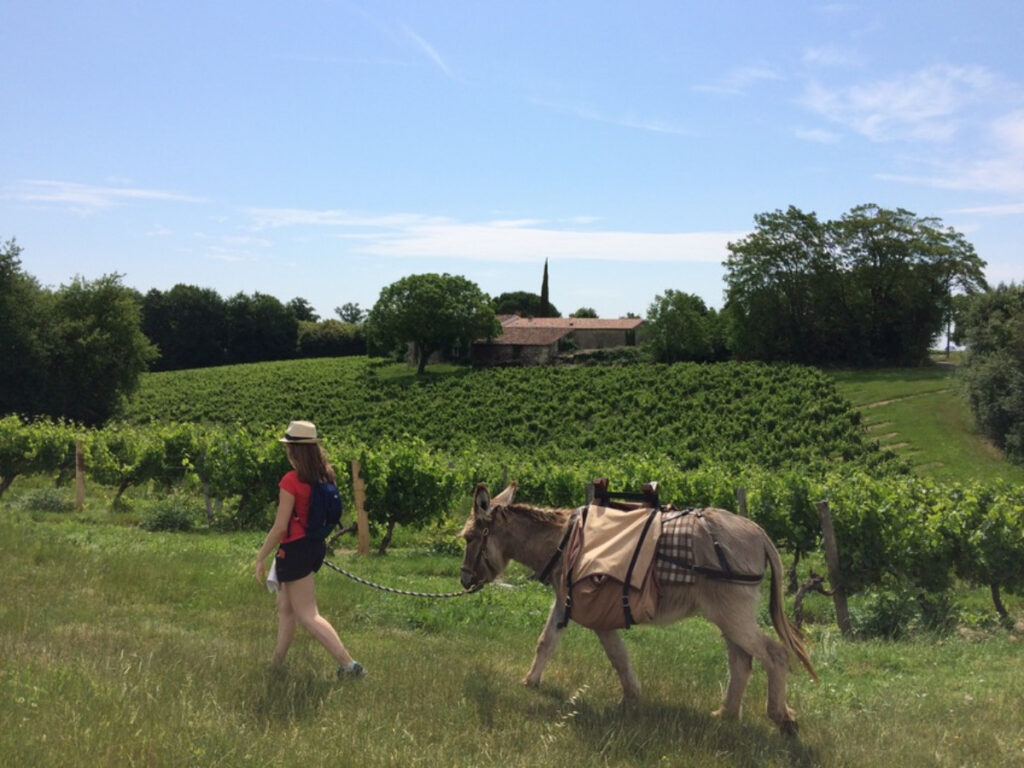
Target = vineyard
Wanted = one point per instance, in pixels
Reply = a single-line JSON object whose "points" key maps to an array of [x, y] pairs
{"points": [[727, 414], [781, 433]]}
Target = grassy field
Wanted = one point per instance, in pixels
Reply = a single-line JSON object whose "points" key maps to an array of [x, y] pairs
{"points": [[126, 648], [922, 415], [120, 647]]}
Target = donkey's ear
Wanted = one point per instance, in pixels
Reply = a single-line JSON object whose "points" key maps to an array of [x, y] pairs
{"points": [[505, 498], [482, 503]]}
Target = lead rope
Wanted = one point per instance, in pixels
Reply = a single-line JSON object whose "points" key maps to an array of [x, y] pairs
{"points": [[395, 591]]}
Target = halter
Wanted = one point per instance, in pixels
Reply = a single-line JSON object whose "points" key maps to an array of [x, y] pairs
{"points": [[481, 555]]}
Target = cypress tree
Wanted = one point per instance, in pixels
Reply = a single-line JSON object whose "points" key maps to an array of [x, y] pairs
{"points": [[545, 310]]}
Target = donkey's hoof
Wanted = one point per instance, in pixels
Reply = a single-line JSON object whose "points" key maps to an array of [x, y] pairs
{"points": [[723, 714], [530, 683], [789, 728]]}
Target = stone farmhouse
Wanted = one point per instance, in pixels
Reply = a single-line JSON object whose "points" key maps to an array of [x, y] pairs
{"points": [[539, 340]]}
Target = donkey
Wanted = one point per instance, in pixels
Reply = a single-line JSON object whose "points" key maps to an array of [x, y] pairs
{"points": [[498, 530]]}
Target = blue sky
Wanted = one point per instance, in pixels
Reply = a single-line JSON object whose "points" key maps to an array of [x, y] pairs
{"points": [[327, 149]]}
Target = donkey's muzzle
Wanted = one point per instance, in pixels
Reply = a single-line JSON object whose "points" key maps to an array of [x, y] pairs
{"points": [[468, 580]]}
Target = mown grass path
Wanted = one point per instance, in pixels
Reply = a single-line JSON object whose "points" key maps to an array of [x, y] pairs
{"points": [[923, 416]]}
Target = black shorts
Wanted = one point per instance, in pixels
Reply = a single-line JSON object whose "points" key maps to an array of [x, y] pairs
{"points": [[299, 558]]}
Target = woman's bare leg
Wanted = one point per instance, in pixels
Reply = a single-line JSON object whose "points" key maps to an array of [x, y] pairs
{"points": [[302, 598], [285, 627]]}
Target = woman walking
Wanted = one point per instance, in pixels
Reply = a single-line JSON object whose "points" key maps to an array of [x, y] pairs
{"points": [[299, 557]]}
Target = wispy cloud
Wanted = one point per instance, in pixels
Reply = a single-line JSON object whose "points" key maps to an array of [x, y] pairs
{"points": [[86, 198], [503, 240], [990, 175], [427, 50], [233, 249], [270, 218], [486, 242], [635, 122], [923, 105], [738, 81], [1009, 209], [1000, 169]]}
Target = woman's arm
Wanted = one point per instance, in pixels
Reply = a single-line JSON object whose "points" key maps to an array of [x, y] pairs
{"points": [[285, 504]]}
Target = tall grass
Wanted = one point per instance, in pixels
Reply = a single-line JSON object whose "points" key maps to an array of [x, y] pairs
{"points": [[123, 648]]}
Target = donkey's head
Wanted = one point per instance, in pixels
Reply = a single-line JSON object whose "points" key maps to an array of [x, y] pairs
{"points": [[484, 560]]}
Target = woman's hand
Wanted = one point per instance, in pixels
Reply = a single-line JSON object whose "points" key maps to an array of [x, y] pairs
{"points": [[260, 572]]}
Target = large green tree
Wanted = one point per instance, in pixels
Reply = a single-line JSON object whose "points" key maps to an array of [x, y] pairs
{"points": [[782, 289], [73, 353], [431, 312], [680, 327], [260, 328], [99, 351], [901, 274], [189, 325], [873, 288]]}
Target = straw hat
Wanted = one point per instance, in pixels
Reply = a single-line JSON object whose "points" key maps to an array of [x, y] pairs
{"points": [[300, 432]]}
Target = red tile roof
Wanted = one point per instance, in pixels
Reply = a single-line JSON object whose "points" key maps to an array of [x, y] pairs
{"points": [[571, 323]]}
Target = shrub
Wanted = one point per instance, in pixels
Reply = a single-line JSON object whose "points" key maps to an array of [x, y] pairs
{"points": [[171, 513], [899, 611], [887, 614], [330, 338], [46, 500]]}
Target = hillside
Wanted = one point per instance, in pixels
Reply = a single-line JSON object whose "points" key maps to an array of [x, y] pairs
{"points": [[922, 416], [727, 414]]}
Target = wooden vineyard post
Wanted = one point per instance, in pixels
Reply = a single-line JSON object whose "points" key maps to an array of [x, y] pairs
{"points": [[828, 535], [741, 501], [362, 522], [79, 476]]}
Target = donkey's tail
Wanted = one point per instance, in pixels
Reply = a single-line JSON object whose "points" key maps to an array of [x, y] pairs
{"points": [[789, 634]]}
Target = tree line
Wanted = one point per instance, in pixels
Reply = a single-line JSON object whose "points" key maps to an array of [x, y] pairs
{"points": [[195, 327], [75, 352], [877, 287]]}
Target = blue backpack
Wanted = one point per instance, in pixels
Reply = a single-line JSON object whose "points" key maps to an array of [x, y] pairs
{"points": [[324, 510]]}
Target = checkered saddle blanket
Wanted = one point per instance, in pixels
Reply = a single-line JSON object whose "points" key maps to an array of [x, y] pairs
{"points": [[675, 545], [689, 545]]}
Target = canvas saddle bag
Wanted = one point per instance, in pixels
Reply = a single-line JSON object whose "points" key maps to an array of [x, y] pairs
{"points": [[609, 573]]}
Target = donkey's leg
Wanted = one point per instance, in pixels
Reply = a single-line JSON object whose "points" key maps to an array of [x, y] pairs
{"points": [[546, 644], [740, 667], [615, 649], [734, 609], [775, 659], [778, 710]]}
